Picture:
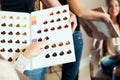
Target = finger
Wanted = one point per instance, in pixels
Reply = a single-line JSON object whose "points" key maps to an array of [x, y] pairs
{"points": [[40, 43], [73, 26], [41, 50], [43, 41]]}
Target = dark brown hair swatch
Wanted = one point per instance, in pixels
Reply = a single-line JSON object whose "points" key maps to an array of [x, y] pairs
{"points": [[23, 50], [17, 33], [46, 47], [10, 41], [3, 24], [47, 56], [40, 39], [17, 41], [45, 22], [2, 50], [10, 50], [10, 33], [54, 54], [45, 30], [3, 32], [52, 28], [17, 50], [39, 31], [47, 38], [3, 41], [51, 21], [61, 53], [69, 51], [10, 59], [58, 20], [65, 18], [59, 27]]}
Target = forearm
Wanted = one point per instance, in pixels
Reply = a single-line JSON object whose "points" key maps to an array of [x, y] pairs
{"points": [[20, 62], [51, 3], [77, 9]]}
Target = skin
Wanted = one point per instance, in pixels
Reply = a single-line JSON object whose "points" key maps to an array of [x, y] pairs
{"points": [[33, 50], [114, 10], [79, 11]]}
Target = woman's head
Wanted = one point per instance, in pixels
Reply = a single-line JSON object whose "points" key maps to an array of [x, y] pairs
{"points": [[114, 8]]}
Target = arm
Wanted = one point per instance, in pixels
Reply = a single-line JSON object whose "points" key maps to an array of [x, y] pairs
{"points": [[51, 3], [21, 60], [77, 9]]}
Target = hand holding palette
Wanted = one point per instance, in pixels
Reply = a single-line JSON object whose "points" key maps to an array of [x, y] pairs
{"points": [[18, 30]]}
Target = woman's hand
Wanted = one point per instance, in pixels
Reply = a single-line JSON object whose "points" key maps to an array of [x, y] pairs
{"points": [[73, 21], [106, 17], [33, 50]]}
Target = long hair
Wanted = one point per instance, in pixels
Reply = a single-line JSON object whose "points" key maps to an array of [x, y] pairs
{"points": [[118, 16]]}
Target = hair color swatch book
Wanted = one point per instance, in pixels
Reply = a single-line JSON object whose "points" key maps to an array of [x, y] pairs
{"points": [[18, 30], [99, 29]]}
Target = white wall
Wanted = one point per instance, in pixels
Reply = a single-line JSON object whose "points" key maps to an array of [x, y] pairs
{"points": [[92, 3], [87, 40], [84, 65]]}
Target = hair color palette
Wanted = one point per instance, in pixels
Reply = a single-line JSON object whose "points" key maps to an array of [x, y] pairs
{"points": [[14, 33], [56, 29], [18, 30]]}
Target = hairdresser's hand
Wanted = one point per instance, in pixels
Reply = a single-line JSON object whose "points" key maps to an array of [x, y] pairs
{"points": [[118, 51], [106, 18], [33, 50], [73, 21]]}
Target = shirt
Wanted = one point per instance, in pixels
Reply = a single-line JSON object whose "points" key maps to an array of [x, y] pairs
{"points": [[18, 5]]}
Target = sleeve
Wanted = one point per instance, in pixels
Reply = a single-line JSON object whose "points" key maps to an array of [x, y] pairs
{"points": [[30, 5], [20, 63]]}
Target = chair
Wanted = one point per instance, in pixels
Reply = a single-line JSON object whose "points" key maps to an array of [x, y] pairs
{"points": [[96, 72]]}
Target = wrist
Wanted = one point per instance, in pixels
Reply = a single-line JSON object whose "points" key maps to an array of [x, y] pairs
{"points": [[71, 14], [26, 55]]}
